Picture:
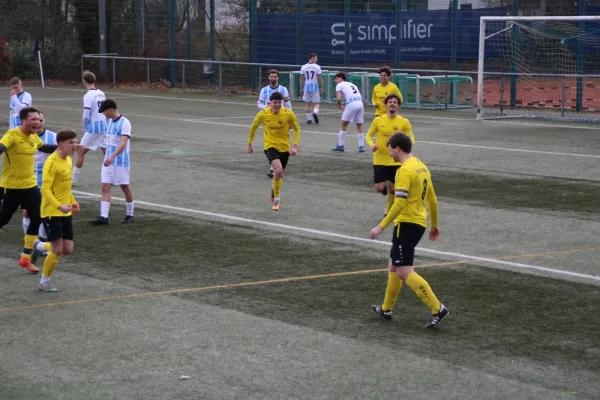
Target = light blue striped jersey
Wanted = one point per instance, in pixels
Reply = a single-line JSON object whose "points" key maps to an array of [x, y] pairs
{"points": [[116, 130], [91, 101], [349, 91], [17, 103], [48, 137], [311, 72], [267, 91]]}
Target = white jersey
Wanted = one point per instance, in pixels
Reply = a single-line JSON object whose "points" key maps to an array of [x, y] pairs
{"points": [[349, 91], [311, 73], [267, 91], [97, 121], [17, 103], [48, 137], [117, 129]]}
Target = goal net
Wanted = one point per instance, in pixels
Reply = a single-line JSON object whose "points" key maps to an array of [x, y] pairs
{"points": [[539, 67]]}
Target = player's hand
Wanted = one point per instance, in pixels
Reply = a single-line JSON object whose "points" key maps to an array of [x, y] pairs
{"points": [[376, 231], [64, 208], [80, 148], [301, 92], [294, 150], [13, 92], [374, 148], [249, 148], [434, 234], [108, 161], [75, 208], [321, 91]]}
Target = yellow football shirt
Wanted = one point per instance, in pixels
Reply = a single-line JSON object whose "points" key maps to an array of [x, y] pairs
{"points": [[277, 127], [413, 188], [18, 170], [57, 180], [380, 92], [384, 127]]}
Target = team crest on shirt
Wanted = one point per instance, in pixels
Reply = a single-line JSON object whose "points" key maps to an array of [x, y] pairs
{"points": [[280, 121], [395, 128]]}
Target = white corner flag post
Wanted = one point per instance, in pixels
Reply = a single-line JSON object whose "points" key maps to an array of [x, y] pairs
{"points": [[39, 55]]}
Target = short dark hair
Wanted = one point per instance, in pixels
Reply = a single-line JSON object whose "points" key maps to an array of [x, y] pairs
{"points": [[311, 55], [276, 96], [65, 134], [341, 75], [107, 104], [392, 96], [273, 71], [402, 140], [387, 71], [15, 81], [89, 77], [24, 113]]}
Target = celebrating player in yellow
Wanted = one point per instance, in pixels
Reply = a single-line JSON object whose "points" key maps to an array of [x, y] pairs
{"points": [[384, 166], [382, 90], [277, 121], [413, 188], [58, 204], [18, 186]]}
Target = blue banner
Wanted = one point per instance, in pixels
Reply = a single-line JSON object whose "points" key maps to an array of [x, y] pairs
{"points": [[424, 36]]}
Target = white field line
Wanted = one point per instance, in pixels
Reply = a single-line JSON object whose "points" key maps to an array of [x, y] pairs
{"points": [[556, 272]]}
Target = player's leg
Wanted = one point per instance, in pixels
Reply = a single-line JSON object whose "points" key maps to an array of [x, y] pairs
{"points": [[107, 182], [394, 284], [410, 237], [9, 204], [359, 118], [391, 179], [379, 179], [91, 142], [31, 201], [26, 221], [128, 218], [307, 102], [342, 134], [316, 100], [57, 227]]}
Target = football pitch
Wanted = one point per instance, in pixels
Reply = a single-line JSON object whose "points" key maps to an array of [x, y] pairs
{"points": [[208, 283]]}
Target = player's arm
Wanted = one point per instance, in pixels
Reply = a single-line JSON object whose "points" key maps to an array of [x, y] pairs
{"points": [[45, 148], [402, 185], [296, 127], [432, 204], [87, 112], [287, 103], [301, 80], [320, 80], [371, 132], [253, 128], [339, 99], [374, 98], [262, 103], [397, 91], [125, 136], [18, 104], [48, 175], [407, 129], [5, 142]]}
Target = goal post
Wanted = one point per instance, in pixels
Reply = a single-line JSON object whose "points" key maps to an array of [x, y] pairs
{"points": [[539, 67]]}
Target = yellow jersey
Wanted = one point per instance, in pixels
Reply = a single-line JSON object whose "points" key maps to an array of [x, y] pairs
{"points": [[18, 171], [380, 92], [57, 180], [413, 188], [384, 127], [277, 128]]}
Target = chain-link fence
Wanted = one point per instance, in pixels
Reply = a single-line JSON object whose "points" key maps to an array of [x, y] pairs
{"points": [[404, 34]]}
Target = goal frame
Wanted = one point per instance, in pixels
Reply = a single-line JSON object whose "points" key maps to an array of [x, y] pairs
{"points": [[482, 38]]}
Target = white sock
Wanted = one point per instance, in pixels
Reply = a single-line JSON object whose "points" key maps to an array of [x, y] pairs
{"points": [[40, 246], [361, 139], [26, 222], [341, 138], [76, 173], [44, 279], [308, 116], [42, 232], [316, 110], [129, 208], [104, 208]]}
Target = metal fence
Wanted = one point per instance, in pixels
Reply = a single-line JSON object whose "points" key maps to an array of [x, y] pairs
{"points": [[405, 34]]}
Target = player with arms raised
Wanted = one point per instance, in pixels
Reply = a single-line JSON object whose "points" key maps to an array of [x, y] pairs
{"points": [[384, 126], [311, 87], [265, 96], [94, 122], [19, 99], [409, 214], [353, 111], [276, 120], [382, 90]]}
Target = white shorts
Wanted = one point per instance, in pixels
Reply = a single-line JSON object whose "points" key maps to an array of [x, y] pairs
{"points": [[115, 175], [92, 141], [354, 112], [312, 97]]}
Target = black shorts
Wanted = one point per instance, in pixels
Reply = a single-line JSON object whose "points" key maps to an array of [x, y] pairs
{"points": [[28, 199], [58, 228], [406, 237], [274, 154], [383, 173]]}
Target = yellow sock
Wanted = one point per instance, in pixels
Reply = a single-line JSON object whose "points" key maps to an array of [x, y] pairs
{"points": [[390, 201], [28, 246], [47, 247], [276, 185], [392, 291], [423, 291], [50, 264]]}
